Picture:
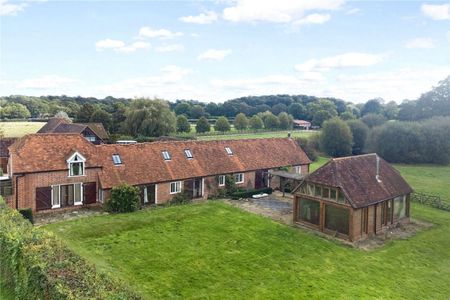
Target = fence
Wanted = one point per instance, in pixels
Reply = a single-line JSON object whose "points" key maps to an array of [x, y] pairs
{"points": [[431, 200]]}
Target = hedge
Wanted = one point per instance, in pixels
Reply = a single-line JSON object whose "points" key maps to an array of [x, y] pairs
{"points": [[250, 193], [37, 265]]}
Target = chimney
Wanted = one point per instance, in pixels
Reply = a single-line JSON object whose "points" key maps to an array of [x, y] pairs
{"points": [[377, 177], [289, 135]]}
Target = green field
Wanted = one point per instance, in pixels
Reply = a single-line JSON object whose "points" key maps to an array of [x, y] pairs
{"points": [[19, 129], [253, 135], [213, 250]]}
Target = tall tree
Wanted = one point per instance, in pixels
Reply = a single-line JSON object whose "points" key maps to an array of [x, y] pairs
{"points": [[336, 138], [240, 122], [85, 113], [202, 125], [222, 124], [285, 121], [256, 123], [372, 107], [297, 111], [183, 124], [359, 133], [101, 116]]}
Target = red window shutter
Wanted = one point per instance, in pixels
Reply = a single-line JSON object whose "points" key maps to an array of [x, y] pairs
{"points": [[43, 198], [89, 191]]}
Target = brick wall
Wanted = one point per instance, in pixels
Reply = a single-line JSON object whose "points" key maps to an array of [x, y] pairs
{"points": [[27, 184]]}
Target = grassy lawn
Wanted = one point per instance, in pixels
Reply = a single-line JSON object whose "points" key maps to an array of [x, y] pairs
{"points": [[213, 250], [252, 135], [19, 129], [5, 292]]}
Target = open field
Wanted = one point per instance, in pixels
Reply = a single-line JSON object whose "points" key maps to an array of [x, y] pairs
{"points": [[19, 129], [213, 250], [252, 135]]}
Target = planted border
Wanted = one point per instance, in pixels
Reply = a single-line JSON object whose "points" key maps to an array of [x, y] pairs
{"points": [[37, 265]]}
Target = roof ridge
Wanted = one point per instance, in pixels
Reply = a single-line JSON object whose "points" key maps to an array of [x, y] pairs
{"points": [[353, 156]]}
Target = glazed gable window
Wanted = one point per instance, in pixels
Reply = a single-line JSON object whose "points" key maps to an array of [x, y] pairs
{"points": [[76, 164]]}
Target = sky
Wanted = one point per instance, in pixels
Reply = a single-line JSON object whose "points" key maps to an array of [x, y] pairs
{"points": [[224, 49]]}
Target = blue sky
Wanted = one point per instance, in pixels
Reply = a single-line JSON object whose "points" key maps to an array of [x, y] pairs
{"points": [[218, 50]]}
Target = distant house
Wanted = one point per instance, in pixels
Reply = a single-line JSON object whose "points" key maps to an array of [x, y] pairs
{"points": [[53, 171], [4, 152], [302, 124], [353, 197], [93, 132]]}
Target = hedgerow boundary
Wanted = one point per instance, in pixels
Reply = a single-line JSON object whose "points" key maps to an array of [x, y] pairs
{"points": [[430, 200], [37, 265]]}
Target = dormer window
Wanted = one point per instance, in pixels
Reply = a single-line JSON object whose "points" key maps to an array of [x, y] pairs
{"points": [[76, 164], [228, 150], [116, 159], [188, 153], [166, 155]]}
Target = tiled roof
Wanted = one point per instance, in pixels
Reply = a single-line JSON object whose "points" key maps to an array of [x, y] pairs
{"points": [[99, 130], [144, 163], [51, 125], [4, 144], [49, 152], [61, 125], [356, 176]]}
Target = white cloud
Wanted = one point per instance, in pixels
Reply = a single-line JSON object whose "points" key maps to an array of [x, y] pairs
{"points": [[421, 43], [436, 11], [203, 18], [134, 46], [120, 46], [346, 60], [108, 44], [353, 11], [214, 54], [158, 33], [313, 19], [280, 11], [169, 48], [45, 82], [10, 9]]}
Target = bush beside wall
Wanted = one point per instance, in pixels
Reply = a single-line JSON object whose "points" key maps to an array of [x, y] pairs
{"points": [[37, 265], [250, 193]]}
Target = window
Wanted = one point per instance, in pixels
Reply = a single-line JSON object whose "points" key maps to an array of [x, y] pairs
{"points": [[228, 149], [188, 153], [337, 219], [333, 194], [175, 187], [298, 169], [116, 159], [100, 195], [76, 165], [364, 220], [239, 178], [326, 193], [90, 138], [166, 155], [341, 197], [399, 207], [310, 188], [310, 211], [78, 194], [56, 203], [221, 180], [318, 191]]}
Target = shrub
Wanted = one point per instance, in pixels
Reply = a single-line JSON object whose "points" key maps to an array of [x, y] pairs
{"points": [[256, 123], [27, 213], [202, 125], [240, 122], [180, 198], [307, 146], [230, 185], [222, 124], [124, 198], [250, 193], [336, 138], [37, 265], [183, 124], [359, 132]]}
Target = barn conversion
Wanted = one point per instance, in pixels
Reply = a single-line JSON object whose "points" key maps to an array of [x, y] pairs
{"points": [[353, 197], [53, 171]]}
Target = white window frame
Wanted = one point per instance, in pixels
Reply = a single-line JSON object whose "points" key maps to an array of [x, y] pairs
{"points": [[229, 151], [220, 179], [188, 153], [72, 160], [117, 160], [91, 138], [166, 155], [100, 195], [238, 175], [58, 205], [145, 195], [298, 169], [80, 202], [177, 187]]}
